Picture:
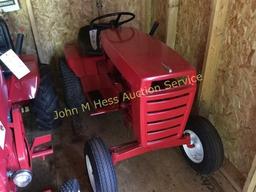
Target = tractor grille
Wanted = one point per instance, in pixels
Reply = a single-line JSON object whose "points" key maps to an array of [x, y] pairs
{"points": [[166, 112]]}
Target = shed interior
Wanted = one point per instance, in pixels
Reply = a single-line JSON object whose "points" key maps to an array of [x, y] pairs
{"points": [[218, 37]]}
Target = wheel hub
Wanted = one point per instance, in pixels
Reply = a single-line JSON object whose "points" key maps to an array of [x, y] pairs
{"points": [[90, 173], [195, 151]]}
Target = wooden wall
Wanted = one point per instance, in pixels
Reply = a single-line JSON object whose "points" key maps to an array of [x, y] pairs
{"points": [[141, 8], [18, 22], [160, 14], [234, 106], [58, 21], [192, 30]]}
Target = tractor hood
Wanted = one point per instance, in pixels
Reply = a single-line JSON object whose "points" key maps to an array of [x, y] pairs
{"points": [[142, 56], [24, 89]]}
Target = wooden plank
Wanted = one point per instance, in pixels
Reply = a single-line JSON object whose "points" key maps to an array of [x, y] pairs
{"points": [[223, 182], [233, 176], [173, 9], [159, 13], [148, 15], [210, 65], [250, 184], [35, 32], [229, 177], [145, 14]]}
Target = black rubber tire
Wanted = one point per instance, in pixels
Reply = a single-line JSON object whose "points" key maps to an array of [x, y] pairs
{"points": [[212, 146], [74, 95], [70, 186], [102, 165], [46, 102]]}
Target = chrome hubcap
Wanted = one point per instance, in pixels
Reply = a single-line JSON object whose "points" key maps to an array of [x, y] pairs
{"points": [[90, 173], [196, 152]]}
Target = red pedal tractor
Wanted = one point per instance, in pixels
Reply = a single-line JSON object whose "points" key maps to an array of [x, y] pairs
{"points": [[121, 68]]}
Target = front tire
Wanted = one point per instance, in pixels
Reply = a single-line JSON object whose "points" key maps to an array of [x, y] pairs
{"points": [[206, 154], [99, 166], [70, 186]]}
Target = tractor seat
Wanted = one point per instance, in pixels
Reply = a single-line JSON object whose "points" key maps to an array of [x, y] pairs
{"points": [[89, 40]]}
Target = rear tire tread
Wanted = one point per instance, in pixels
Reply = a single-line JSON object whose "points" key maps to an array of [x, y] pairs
{"points": [[46, 101]]}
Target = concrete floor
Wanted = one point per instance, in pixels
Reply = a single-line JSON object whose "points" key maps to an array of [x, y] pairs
{"points": [[160, 171]]}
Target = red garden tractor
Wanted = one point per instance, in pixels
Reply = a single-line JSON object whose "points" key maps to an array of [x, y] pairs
{"points": [[16, 153], [116, 68]]}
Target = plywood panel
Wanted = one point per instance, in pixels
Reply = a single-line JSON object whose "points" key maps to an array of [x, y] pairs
{"points": [[18, 22], [173, 8], [250, 184], [234, 106], [212, 54], [58, 22], [160, 14], [192, 30], [141, 8]]}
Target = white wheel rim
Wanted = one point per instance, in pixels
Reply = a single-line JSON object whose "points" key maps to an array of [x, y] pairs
{"points": [[196, 152], [90, 173]]}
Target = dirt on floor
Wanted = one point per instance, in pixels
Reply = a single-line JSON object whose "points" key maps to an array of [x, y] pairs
{"points": [[160, 171]]}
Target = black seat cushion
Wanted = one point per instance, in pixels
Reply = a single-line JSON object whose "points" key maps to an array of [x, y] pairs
{"points": [[89, 39]]}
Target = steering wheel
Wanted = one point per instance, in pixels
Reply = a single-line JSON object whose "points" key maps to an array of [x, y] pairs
{"points": [[117, 38], [114, 22]]}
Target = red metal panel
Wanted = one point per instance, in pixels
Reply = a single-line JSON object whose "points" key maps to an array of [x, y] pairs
{"points": [[170, 93], [25, 88], [124, 152], [90, 83], [73, 59], [81, 65], [8, 161], [187, 114], [162, 134], [164, 124], [41, 152], [166, 104], [133, 51], [165, 115], [19, 134], [5, 106]]}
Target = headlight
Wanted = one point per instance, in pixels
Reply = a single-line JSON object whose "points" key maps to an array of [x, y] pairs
{"points": [[22, 178]]}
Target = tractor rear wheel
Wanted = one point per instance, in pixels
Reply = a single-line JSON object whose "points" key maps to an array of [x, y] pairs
{"points": [[46, 101], [99, 166], [206, 153], [72, 87]]}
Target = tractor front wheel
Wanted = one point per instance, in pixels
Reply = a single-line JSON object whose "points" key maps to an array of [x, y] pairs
{"points": [[206, 153], [70, 186], [99, 166]]}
